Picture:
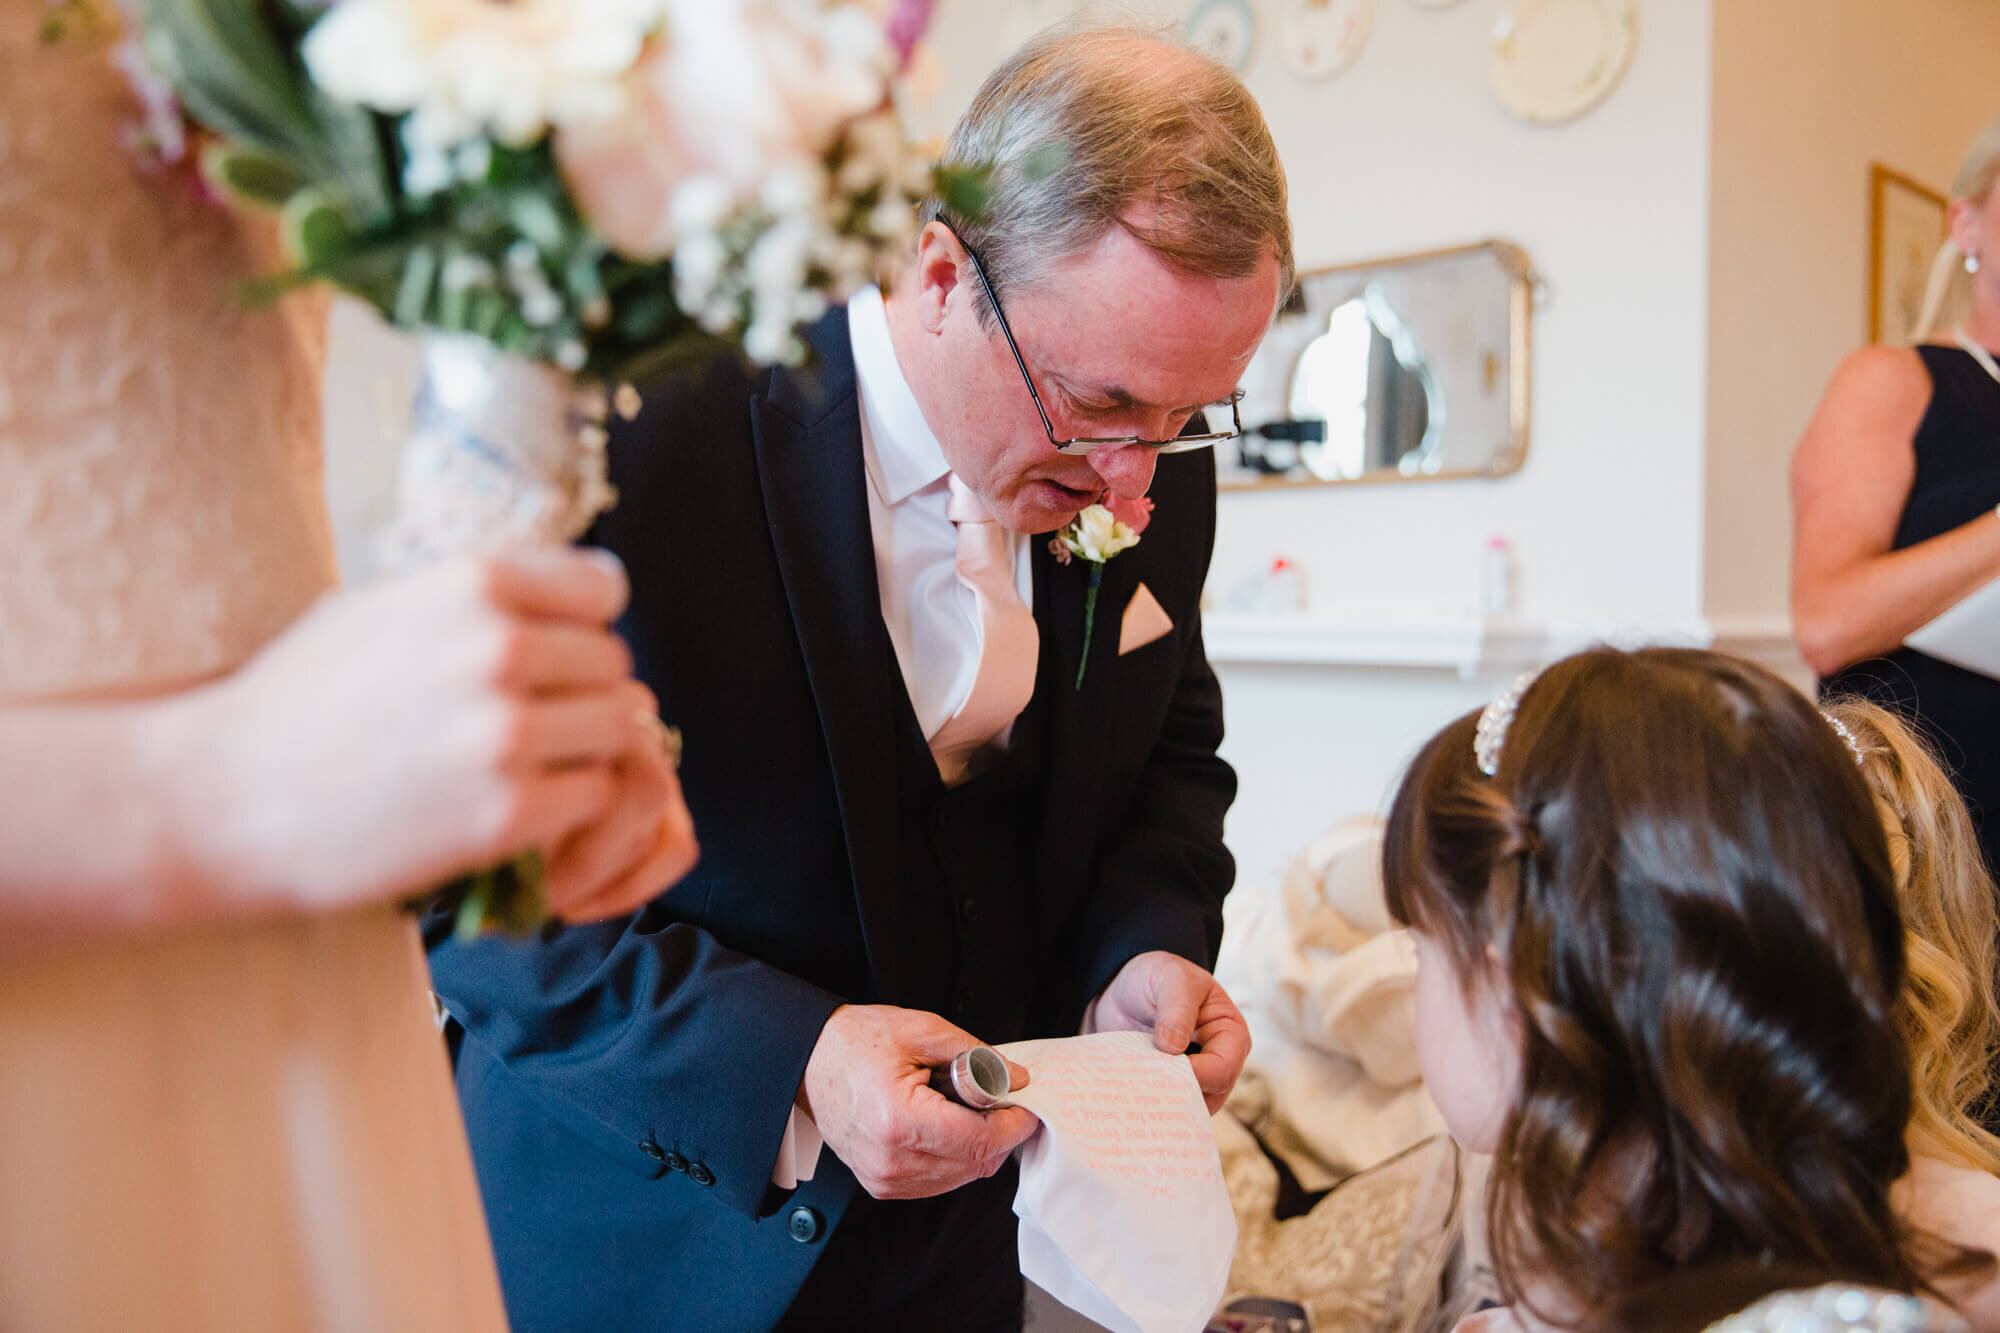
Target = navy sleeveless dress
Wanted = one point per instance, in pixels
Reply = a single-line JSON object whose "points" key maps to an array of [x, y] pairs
{"points": [[1957, 480]]}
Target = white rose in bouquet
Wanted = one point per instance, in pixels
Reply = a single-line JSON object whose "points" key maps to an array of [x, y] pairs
{"points": [[465, 67]]}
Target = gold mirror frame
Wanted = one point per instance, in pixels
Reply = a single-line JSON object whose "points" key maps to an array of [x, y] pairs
{"points": [[1509, 455]]}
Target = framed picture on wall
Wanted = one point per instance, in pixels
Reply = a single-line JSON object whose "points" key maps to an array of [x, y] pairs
{"points": [[1906, 224]]}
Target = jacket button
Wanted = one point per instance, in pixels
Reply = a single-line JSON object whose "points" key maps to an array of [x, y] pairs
{"points": [[804, 1225], [969, 910], [700, 1174], [653, 1150], [675, 1162]]}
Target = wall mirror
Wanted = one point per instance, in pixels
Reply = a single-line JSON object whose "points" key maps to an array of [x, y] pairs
{"points": [[1400, 369]]}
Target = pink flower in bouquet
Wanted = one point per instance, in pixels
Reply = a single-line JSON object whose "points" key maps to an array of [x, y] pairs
{"points": [[1134, 514], [907, 26], [727, 95]]}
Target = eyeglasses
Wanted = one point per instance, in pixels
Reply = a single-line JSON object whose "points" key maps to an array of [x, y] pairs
{"points": [[1090, 444]]}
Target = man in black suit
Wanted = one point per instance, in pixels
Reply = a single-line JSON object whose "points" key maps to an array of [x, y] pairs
{"points": [[878, 890]]}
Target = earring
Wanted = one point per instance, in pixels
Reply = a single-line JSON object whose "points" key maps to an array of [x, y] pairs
{"points": [[1972, 263]]}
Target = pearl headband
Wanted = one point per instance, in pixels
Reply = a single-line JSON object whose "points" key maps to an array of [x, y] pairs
{"points": [[1491, 734]]}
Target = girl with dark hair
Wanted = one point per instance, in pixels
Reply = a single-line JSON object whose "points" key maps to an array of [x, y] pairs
{"points": [[1660, 962]]}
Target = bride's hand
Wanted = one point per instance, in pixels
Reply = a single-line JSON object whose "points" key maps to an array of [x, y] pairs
{"points": [[644, 842], [394, 737]]}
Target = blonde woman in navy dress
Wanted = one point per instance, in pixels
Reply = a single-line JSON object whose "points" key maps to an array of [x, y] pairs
{"points": [[1894, 488]]}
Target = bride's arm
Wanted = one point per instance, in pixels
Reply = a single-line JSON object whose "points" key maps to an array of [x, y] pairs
{"points": [[385, 742]]}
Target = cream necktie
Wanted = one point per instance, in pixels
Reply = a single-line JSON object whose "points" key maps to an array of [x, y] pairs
{"points": [[1009, 644]]}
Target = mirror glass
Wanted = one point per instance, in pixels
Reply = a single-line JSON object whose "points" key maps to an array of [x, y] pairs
{"points": [[1402, 369]]}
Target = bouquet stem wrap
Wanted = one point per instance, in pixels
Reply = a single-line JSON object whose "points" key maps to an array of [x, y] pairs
{"points": [[502, 453]]}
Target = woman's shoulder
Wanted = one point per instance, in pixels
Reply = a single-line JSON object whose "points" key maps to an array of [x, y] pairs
{"points": [[1876, 395], [1878, 371]]}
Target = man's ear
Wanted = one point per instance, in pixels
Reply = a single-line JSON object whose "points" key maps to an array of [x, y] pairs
{"points": [[935, 278]]}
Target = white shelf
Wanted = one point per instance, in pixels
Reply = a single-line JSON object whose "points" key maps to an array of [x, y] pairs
{"points": [[1472, 647]]}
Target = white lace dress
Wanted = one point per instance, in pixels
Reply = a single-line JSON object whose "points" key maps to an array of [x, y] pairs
{"points": [[248, 1127]]}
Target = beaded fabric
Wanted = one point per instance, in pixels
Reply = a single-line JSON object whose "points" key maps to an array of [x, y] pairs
{"points": [[1836, 1308]]}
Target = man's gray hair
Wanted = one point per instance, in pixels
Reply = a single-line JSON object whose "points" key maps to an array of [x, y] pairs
{"points": [[1087, 128]]}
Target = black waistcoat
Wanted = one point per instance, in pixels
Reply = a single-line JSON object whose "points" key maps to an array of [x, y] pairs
{"points": [[967, 864]]}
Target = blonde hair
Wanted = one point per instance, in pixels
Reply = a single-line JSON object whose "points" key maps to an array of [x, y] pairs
{"points": [[1950, 1015], [1948, 295], [1083, 124]]}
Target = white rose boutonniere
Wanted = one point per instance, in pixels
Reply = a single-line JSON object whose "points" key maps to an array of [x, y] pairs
{"points": [[1094, 536]]}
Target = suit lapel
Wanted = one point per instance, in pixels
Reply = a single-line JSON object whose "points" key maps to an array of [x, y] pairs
{"points": [[808, 439], [1077, 720]]}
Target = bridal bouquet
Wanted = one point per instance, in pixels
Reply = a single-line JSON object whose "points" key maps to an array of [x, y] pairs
{"points": [[599, 185], [560, 197]]}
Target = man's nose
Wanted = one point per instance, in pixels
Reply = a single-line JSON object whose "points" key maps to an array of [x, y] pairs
{"points": [[1127, 470]]}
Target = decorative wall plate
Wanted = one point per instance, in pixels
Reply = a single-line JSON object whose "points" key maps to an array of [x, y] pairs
{"points": [[1223, 30], [1553, 60], [1319, 38]]}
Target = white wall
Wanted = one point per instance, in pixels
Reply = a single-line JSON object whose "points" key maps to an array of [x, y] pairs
{"points": [[1807, 93], [1408, 151]]}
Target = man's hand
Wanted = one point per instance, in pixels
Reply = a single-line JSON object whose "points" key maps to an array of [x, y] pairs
{"points": [[867, 1089], [1180, 1003]]}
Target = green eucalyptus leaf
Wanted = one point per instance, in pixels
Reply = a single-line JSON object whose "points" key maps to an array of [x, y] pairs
{"points": [[522, 905], [469, 922], [226, 64], [354, 157], [251, 174], [315, 229], [645, 315], [535, 217], [413, 290], [965, 191]]}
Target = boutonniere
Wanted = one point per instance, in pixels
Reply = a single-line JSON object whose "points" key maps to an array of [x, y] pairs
{"points": [[1094, 536]]}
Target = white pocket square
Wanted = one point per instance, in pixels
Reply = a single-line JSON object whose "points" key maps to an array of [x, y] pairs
{"points": [[1145, 621]]}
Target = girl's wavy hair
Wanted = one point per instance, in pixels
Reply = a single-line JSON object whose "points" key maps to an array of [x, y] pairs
{"points": [[1686, 886], [1950, 1016]]}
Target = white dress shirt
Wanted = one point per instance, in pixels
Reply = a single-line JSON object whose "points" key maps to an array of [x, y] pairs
{"points": [[932, 619]]}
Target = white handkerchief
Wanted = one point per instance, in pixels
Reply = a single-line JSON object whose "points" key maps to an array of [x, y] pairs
{"points": [[1124, 1214]]}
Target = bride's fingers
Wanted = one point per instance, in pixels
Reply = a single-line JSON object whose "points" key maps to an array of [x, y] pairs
{"points": [[561, 657], [667, 852], [611, 847], [549, 808], [672, 856], [563, 584], [588, 726]]}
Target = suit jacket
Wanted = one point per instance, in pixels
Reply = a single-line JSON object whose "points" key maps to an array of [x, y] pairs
{"points": [[626, 1085]]}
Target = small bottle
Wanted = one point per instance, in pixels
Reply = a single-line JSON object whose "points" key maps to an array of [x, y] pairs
{"points": [[1285, 587], [1496, 579]]}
